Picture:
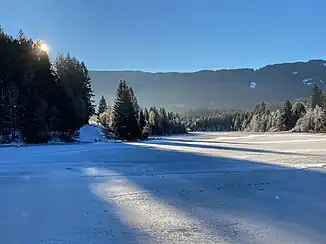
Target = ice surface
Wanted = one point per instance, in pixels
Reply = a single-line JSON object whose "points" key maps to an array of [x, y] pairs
{"points": [[198, 188]]}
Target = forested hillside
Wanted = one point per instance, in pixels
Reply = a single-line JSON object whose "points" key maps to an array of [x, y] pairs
{"points": [[234, 88], [297, 116]]}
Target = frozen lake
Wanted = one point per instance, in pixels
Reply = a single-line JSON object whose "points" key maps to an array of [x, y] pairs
{"points": [[198, 188]]}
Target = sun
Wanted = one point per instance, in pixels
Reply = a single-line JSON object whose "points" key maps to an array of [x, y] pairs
{"points": [[44, 47]]}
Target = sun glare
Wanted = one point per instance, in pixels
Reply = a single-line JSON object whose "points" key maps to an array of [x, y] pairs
{"points": [[44, 47]]}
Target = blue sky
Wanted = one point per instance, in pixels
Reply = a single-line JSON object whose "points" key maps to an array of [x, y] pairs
{"points": [[173, 35]]}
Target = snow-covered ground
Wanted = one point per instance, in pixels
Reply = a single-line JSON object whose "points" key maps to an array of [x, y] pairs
{"points": [[91, 133], [198, 188]]}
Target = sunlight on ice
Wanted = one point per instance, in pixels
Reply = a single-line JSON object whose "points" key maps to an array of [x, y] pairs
{"points": [[163, 223], [159, 220]]}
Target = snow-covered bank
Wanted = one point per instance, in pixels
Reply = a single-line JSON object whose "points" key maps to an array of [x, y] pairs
{"points": [[87, 134], [91, 133]]}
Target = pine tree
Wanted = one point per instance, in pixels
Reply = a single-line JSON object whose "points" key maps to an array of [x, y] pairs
{"points": [[102, 107], [323, 117], [163, 122], [74, 79], [298, 111], [142, 124], [146, 115], [237, 122], [134, 101], [88, 93], [142, 121], [124, 117], [37, 97], [287, 116], [316, 98]]}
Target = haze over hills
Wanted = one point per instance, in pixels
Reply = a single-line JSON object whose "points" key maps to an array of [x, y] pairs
{"points": [[232, 88]]}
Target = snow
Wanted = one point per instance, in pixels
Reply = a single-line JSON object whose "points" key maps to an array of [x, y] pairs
{"points": [[295, 73], [252, 85], [91, 133], [306, 81], [198, 188]]}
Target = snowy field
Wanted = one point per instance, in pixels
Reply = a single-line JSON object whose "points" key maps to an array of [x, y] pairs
{"points": [[198, 188]]}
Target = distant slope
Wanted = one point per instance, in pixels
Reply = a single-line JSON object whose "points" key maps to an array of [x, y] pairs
{"points": [[221, 88]]}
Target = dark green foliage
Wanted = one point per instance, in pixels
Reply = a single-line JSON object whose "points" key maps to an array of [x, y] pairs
{"points": [[37, 97], [287, 116], [102, 107], [161, 122], [316, 97], [262, 118], [298, 111], [134, 101], [227, 88], [142, 124], [74, 79], [124, 116], [213, 119], [146, 115]]}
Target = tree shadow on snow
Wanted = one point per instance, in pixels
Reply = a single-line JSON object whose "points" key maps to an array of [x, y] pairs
{"points": [[208, 141], [225, 193], [181, 143], [45, 210]]}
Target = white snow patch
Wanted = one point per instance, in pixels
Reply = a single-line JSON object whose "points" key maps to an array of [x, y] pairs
{"points": [[295, 73], [306, 80], [91, 133], [252, 85], [324, 64]]}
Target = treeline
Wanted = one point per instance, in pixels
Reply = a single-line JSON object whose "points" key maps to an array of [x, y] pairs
{"points": [[125, 120], [297, 117], [209, 119], [37, 96]]}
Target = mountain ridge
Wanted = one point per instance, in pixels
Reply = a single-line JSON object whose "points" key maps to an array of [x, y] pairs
{"points": [[227, 88]]}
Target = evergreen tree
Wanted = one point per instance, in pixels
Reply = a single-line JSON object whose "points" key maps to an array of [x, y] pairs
{"points": [[287, 116], [298, 111], [237, 122], [142, 121], [37, 97], [134, 101], [102, 107], [124, 117], [74, 79], [142, 124], [323, 117], [146, 115], [88, 93], [316, 98], [163, 122]]}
